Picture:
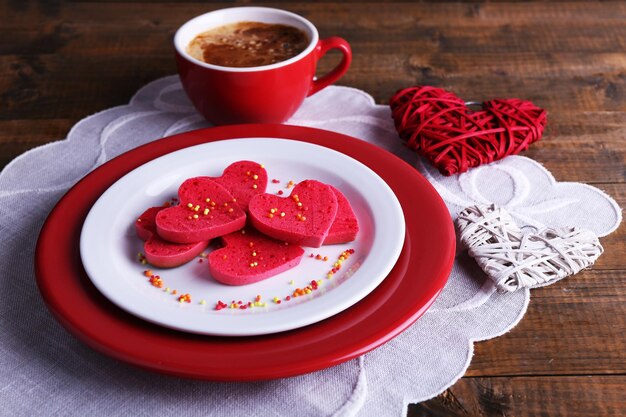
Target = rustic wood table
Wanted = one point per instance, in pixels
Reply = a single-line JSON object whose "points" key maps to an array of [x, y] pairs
{"points": [[61, 61]]}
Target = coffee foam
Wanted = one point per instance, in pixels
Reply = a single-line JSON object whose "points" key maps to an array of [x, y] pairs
{"points": [[248, 44]]}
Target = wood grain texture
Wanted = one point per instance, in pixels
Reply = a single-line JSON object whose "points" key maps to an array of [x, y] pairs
{"points": [[61, 61], [529, 396], [572, 327]]}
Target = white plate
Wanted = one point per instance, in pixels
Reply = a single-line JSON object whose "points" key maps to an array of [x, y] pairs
{"points": [[109, 246]]}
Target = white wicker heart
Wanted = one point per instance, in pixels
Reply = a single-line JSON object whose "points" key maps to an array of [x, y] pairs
{"points": [[515, 259]]}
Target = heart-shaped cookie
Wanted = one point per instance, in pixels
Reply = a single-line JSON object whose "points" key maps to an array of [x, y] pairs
{"points": [[515, 259], [248, 256], [303, 218], [244, 180], [454, 138], [345, 227], [206, 210], [159, 252]]}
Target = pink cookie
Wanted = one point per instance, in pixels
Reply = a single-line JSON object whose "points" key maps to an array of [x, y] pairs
{"points": [[159, 252], [244, 180], [345, 227], [249, 256], [304, 218], [206, 210]]}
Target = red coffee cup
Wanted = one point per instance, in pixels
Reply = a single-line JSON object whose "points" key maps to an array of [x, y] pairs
{"points": [[265, 94]]}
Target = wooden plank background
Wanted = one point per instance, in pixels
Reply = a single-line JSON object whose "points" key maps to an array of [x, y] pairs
{"points": [[61, 61]]}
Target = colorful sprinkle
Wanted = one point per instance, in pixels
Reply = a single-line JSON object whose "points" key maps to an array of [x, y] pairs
{"points": [[184, 298], [156, 281], [337, 265]]}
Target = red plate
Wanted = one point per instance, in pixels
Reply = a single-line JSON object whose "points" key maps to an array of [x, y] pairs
{"points": [[417, 278]]}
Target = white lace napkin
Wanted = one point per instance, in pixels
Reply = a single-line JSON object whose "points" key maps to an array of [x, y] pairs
{"points": [[45, 371]]}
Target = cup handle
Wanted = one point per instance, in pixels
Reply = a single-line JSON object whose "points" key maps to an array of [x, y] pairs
{"points": [[323, 46]]}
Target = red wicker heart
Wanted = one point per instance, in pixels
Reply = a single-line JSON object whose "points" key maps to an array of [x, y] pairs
{"points": [[454, 138]]}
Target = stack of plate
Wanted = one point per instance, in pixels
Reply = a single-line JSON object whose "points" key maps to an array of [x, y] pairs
{"points": [[88, 272]]}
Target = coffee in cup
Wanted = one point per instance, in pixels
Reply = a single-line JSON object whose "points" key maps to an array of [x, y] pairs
{"points": [[248, 44]]}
